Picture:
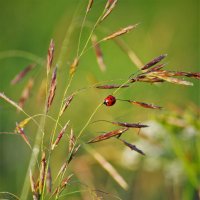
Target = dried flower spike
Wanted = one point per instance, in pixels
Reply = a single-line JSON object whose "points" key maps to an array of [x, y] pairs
{"points": [[72, 140], [49, 181], [132, 147], [108, 8], [42, 172], [89, 5], [153, 62], [145, 105], [23, 73], [108, 135], [60, 135], [33, 187], [26, 93], [125, 124], [120, 32], [66, 104], [99, 54], [50, 55], [52, 89]]}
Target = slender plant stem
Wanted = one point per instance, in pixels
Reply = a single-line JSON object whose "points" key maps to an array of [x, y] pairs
{"points": [[92, 31], [59, 63]]}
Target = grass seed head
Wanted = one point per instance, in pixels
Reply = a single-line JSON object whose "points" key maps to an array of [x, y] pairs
{"points": [[52, 89], [50, 55], [22, 74]]}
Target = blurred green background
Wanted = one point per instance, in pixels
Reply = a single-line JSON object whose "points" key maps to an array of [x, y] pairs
{"points": [[171, 27]]}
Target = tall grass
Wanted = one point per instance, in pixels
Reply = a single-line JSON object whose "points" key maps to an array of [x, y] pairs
{"points": [[39, 178]]}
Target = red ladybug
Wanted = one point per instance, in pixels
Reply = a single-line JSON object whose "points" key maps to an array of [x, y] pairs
{"points": [[109, 100]]}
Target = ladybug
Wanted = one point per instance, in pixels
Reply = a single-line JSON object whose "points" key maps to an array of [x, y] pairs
{"points": [[109, 100]]}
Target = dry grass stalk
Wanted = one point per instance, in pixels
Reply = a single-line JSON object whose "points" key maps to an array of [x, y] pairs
{"points": [[4, 97], [50, 55], [153, 62], [145, 105], [26, 93], [109, 168], [52, 89], [42, 172], [49, 181], [99, 54], [125, 124], [120, 32], [108, 9], [108, 135], [89, 6], [128, 51], [111, 86], [66, 104], [73, 66], [60, 135], [23, 135], [132, 147], [22, 74]]}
